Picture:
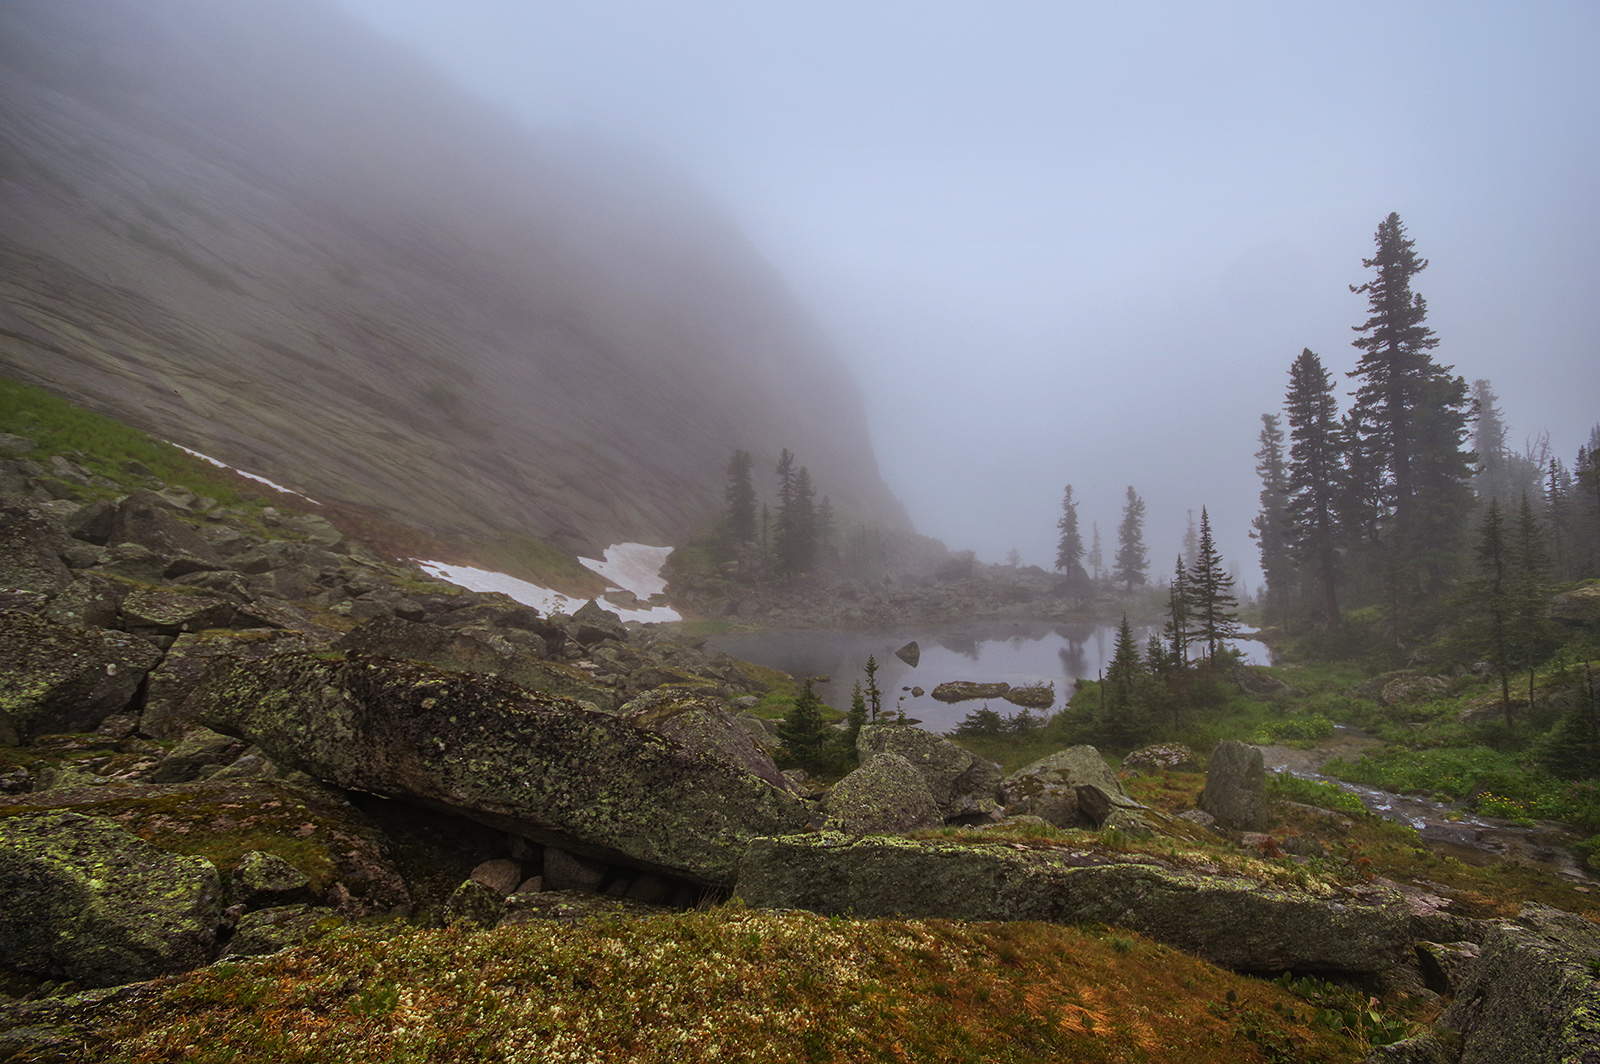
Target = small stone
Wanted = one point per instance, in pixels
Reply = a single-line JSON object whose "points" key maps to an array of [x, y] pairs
{"points": [[501, 875], [474, 905]]}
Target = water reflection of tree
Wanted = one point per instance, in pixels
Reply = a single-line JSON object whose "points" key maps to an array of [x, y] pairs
{"points": [[1072, 661], [966, 646]]}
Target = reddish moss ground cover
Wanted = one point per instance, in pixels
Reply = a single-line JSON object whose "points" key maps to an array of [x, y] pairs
{"points": [[729, 984]]}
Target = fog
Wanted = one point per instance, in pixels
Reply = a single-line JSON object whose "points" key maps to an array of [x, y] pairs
{"points": [[1062, 242]]}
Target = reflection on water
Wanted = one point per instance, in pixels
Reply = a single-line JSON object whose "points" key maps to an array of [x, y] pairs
{"points": [[1016, 652]]}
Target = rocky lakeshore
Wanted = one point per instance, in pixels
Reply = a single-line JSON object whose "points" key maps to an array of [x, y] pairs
{"points": [[235, 731]]}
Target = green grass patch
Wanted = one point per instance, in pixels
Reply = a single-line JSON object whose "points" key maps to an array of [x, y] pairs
{"points": [[1286, 788], [105, 447]]}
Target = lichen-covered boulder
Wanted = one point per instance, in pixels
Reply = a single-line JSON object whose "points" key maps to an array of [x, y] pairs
{"points": [[30, 551], [1578, 607], [886, 795], [592, 624], [1232, 921], [474, 904], [1236, 787], [1412, 689], [963, 784], [265, 880], [57, 678], [270, 930], [478, 651], [1532, 997], [198, 750], [170, 610], [703, 724], [535, 765], [189, 657], [85, 900]]}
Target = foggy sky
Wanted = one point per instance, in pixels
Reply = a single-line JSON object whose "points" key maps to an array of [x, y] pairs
{"points": [[1064, 242]]}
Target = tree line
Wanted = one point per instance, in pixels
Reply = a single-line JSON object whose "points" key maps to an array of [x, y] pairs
{"points": [[792, 540], [1375, 506]]}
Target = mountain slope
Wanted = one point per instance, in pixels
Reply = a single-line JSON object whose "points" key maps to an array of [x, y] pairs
{"points": [[266, 233]]}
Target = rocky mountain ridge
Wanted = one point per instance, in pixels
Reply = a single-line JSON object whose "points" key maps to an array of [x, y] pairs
{"points": [[264, 232]]}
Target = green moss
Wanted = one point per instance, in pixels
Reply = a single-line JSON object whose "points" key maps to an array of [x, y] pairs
{"points": [[538, 562]]}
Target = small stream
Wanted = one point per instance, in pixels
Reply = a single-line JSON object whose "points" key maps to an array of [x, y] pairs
{"points": [[1443, 826]]}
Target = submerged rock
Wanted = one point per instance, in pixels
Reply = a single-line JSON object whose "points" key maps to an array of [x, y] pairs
{"points": [[967, 691]]}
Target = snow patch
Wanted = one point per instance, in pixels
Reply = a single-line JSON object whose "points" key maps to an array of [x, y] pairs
{"points": [[248, 476], [637, 571], [632, 567]]}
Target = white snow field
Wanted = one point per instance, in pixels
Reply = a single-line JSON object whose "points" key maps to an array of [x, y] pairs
{"points": [[631, 567]]}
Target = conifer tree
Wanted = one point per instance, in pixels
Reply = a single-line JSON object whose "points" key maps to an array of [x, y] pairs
{"points": [[795, 532], [802, 731], [856, 719], [1118, 723], [1131, 563], [1191, 541], [1491, 475], [1530, 591], [1315, 479], [1270, 529], [1557, 508], [1211, 594], [1069, 549], [874, 695], [1177, 629], [1096, 558], [1412, 415]]}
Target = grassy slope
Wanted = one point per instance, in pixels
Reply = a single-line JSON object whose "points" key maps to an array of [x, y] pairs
{"points": [[106, 448]]}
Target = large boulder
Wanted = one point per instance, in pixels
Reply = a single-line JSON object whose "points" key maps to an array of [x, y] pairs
{"points": [[1579, 607], [1076, 788], [1530, 998], [145, 518], [30, 546], [963, 784], [886, 795], [536, 765], [477, 651], [703, 724], [1232, 921], [1235, 791], [57, 678], [194, 652], [85, 900]]}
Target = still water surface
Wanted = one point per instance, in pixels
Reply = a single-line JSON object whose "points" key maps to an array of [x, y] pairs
{"points": [[1015, 652]]}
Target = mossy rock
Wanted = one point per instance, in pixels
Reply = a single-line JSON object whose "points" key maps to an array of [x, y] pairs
{"points": [[536, 765], [886, 795], [1232, 921], [86, 900], [225, 821], [56, 678]]}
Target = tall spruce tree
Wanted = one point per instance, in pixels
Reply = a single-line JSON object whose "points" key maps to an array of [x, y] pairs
{"points": [[1316, 480], [1212, 602], [1177, 628], [1131, 564], [1121, 708], [1492, 470], [1069, 549], [1412, 414], [1096, 559], [1270, 529], [795, 531]]}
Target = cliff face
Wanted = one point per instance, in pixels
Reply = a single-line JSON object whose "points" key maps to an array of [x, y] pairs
{"points": [[268, 234]]}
